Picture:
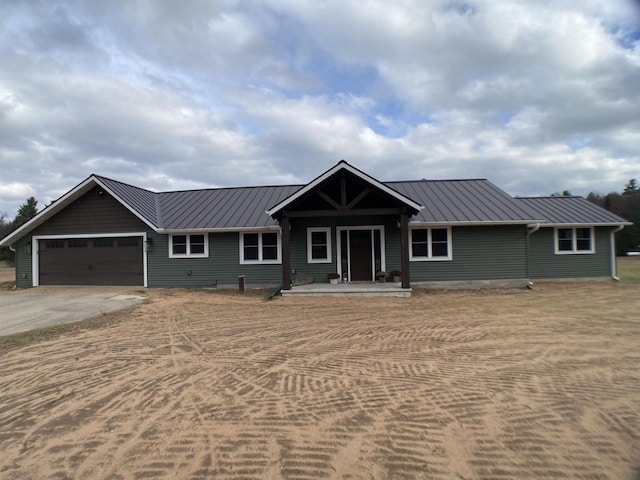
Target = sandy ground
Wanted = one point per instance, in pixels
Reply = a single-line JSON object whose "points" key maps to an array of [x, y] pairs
{"points": [[448, 385]]}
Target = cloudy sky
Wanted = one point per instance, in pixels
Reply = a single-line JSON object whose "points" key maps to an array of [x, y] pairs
{"points": [[537, 96]]}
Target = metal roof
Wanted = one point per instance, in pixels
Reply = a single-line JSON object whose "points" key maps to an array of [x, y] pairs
{"points": [[224, 208], [141, 200], [569, 210], [445, 201], [464, 201]]}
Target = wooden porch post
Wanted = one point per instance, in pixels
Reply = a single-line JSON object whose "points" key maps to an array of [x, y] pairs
{"points": [[286, 252], [404, 249]]}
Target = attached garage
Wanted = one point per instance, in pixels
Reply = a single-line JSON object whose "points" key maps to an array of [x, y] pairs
{"points": [[107, 260]]}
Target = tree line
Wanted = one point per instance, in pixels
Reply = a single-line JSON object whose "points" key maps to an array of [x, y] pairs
{"points": [[25, 212], [627, 205]]}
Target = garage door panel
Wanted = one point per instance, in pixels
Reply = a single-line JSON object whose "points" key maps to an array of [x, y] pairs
{"points": [[91, 261]]}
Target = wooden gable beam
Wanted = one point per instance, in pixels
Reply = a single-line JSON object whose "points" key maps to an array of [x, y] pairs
{"points": [[329, 200], [357, 200]]}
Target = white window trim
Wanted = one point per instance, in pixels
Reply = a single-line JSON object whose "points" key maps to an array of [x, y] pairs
{"points": [[189, 254], [574, 250], [430, 257], [310, 232], [260, 261]]}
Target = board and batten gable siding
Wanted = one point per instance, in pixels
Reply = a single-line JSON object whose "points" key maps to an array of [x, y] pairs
{"points": [[221, 268], [479, 253], [92, 213], [544, 263]]}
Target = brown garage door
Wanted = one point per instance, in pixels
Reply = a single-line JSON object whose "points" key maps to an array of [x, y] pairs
{"points": [[91, 261]]}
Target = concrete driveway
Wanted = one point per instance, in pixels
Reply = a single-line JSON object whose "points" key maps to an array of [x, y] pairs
{"points": [[20, 311]]}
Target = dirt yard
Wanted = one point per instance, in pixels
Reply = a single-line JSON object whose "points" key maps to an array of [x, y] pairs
{"points": [[447, 385]]}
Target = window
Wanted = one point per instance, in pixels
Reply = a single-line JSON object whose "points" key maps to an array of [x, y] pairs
{"points": [[319, 245], [54, 243], [103, 242], [78, 243], [128, 242], [189, 245], [574, 240], [260, 247], [430, 244]]}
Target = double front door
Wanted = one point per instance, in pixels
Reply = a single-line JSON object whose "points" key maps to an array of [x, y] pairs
{"points": [[360, 252]]}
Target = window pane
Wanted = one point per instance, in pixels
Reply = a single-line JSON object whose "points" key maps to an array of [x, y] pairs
{"points": [[439, 235], [319, 252], [251, 239], [419, 249], [54, 243], [419, 236], [269, 246], [251, 252], [269, 253], [78, 243], [440, 249], [179, 244], [269, 239], [197, 244], [128, 241], [103, 242], [565, 239], [318, 238], [419, 243], [583, 238]]}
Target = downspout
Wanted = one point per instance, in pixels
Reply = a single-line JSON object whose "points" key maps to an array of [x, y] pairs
{"points": [[12, 249], [614, 267], [530, 231]]}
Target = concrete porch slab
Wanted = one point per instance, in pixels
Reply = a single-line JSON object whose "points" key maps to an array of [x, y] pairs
{"points": [[349, 289]]}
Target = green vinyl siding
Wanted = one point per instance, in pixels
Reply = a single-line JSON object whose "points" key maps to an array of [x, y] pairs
{"points": [[24, 272], [221, 267], [544, 263], [479, 253]]}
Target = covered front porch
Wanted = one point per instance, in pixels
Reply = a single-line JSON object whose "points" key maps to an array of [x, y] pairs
{"points": [[374, 289], [355, 228]]}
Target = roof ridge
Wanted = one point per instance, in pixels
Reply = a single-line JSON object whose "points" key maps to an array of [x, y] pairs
{"points": [[438, 180], [548, 196], [232, 188], [122, 183]]}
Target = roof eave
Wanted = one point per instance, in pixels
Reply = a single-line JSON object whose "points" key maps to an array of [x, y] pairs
{"points": [[476, 222], [587, 224]]}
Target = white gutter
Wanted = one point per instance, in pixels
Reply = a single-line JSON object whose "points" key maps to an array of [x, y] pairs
{"points": [[612, 237]]}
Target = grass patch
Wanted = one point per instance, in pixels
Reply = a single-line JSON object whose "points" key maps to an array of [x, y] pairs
{"points": [[629, 269]]}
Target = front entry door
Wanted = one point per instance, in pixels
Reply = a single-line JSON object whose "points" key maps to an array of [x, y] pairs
{"points": [[360, 255], [360, 252]]}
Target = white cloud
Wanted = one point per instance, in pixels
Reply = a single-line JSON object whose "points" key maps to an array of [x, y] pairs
{"points": [[15, 191], [538, 96]]}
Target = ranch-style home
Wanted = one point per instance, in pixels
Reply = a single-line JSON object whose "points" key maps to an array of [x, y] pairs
{"points": [[345, 222]]}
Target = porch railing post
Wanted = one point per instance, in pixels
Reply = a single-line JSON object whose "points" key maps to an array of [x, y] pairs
{"points": [[404, 249], [286, 252]]}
